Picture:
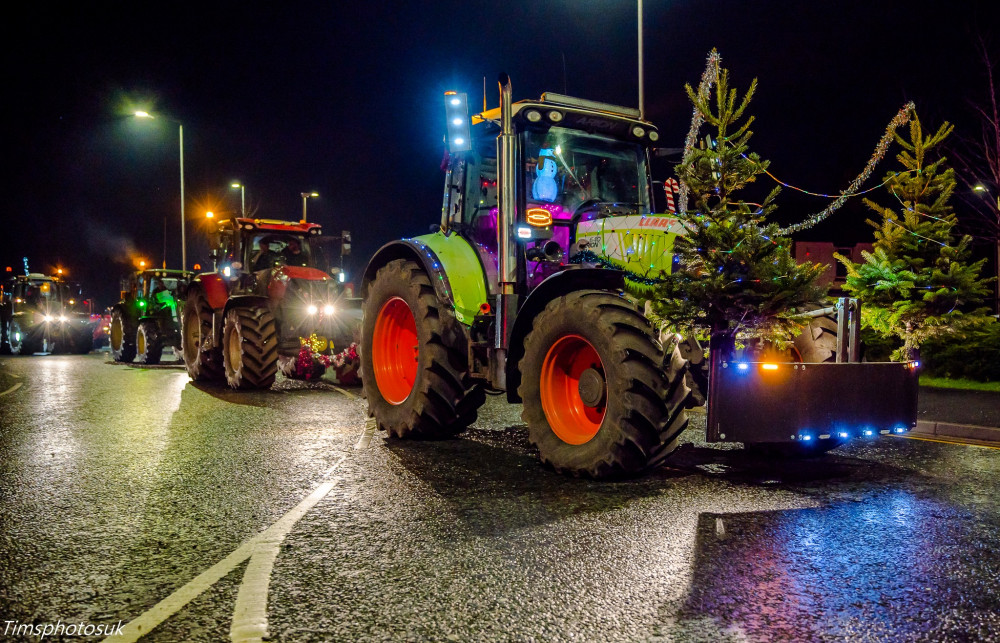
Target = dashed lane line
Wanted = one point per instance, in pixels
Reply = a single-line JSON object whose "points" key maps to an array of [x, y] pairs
{"points": [[11, 389], [250, 613]]}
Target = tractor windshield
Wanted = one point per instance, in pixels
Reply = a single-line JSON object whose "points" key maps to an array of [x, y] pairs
{"points": [[570, 173], [271, 249]]}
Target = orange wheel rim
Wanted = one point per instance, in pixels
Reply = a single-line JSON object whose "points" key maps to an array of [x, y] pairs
{"points": [[573, 421], [395, 351]]}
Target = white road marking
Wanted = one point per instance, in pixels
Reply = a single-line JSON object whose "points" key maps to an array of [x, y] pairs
{"points": [[250, 613], [11, 389], [366, 435]]}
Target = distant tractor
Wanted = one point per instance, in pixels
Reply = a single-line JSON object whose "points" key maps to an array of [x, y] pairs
{"points": [[273, 290], [147, 318], [40, 313], [513, 293]]}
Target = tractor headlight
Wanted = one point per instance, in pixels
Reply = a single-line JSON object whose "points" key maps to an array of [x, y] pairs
{"points": [[47, 318], [328, 310], [312, 309]]}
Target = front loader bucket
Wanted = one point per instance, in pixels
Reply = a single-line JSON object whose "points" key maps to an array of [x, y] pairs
{"points": [[758, 402]]}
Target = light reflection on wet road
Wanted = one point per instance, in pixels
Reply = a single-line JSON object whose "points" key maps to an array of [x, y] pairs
{"points": [[120, 485]]}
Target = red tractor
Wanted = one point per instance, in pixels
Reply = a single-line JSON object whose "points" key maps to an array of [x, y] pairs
{"points": [[271, 293]]}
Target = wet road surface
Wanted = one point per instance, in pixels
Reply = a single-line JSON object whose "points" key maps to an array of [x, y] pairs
{"points": [[197, 513]]}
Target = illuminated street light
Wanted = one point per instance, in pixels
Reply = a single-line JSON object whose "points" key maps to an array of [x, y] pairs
{"points": [[209, 214], [180, 132], [243, 197], [305, 199]]}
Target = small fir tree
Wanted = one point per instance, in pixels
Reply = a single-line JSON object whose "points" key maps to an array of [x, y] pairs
{"points": [[918, 281], [733, 272]]}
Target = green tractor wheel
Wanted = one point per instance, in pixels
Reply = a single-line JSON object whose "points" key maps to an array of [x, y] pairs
{"points": [[250, 347], [596, 400], [414, 358], [203, 363], [148, 342]]}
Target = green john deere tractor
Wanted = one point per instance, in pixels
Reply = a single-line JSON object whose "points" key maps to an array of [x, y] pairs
{"points": [[146, 319]]}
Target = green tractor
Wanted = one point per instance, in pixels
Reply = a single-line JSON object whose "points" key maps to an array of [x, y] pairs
{"points": [[512, 293], [147, 319]]}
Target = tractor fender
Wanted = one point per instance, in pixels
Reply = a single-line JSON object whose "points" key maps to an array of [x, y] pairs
{"points": [[215, 289], [244, 300], [557, 285], [454, 268]]}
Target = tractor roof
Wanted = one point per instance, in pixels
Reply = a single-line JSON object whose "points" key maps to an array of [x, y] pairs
{"points": [[276, 225]]}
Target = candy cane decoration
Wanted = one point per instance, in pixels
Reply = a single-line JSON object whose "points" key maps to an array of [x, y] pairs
{"points": [[670, 187]]}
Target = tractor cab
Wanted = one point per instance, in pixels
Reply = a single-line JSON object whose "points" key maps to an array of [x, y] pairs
{"points": [[573, 161], [254, 245]]}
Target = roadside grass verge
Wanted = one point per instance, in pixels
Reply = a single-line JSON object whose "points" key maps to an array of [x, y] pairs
{"points": [[969, 385]]}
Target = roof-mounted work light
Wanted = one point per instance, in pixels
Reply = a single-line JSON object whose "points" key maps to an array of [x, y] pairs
{"points": [[456, 111]]}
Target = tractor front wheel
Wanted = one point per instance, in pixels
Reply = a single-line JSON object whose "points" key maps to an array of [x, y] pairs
{"points": [[250, 347], [148, 343], [122, 344], [203, 361], [414, 357], [21, 343], [596, 400]]}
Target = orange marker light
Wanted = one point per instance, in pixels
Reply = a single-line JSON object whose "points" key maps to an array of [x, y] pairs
{"points": [[769, 367], [539, 218]]}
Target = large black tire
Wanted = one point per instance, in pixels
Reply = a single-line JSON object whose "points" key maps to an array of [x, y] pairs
{"points": [[250, 347], [597, 399], [414, 358], [203, 361], [817, 343], [148, 342], [21, 342], [121, 338]]}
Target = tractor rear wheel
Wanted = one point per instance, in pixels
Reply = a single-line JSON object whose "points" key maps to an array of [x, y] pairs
{"points": [[250, 347], [148, 343], [817, 343], [414, 357], [596, 399], [203, 361], [122, 332]]}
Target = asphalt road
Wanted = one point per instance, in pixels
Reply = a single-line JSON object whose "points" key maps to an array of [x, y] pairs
{"points": [[195, 513]]}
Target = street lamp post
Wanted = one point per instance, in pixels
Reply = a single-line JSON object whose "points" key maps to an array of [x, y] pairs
{"points": [[243, 197], [180, 133], [642, 111], [305, 199]]}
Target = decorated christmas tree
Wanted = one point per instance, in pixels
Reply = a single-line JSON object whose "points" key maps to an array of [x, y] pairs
{"points": [[733, 272], [918, 281]]}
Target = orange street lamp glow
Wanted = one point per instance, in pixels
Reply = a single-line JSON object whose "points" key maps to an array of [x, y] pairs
{"points": [[209, 214]]}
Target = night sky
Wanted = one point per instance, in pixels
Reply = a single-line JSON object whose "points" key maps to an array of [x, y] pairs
{"points": [[344, 98]]}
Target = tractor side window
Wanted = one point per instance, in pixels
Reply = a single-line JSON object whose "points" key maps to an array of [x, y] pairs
{"points": [[481, 204]]}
